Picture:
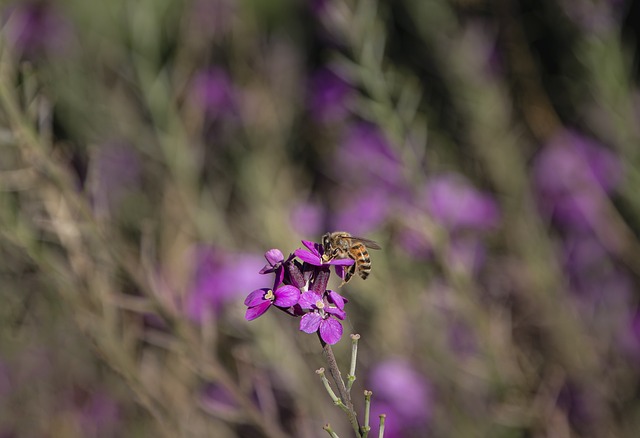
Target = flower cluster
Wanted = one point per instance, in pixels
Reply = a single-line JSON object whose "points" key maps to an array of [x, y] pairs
{"points": [[300, 290]]}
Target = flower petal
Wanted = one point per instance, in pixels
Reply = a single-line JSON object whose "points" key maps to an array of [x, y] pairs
{"points": [[310, 322], [286, 296], [341, 262], [338, 313], [312, 246], [256, 297], [330, 331], [337, 299], [340, 271], [308, 300], [254, 312], [274, 256], [306, 256], [267, 269]]}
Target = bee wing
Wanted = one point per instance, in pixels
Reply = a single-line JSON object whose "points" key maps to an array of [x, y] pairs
{"points": [[367, 242]]}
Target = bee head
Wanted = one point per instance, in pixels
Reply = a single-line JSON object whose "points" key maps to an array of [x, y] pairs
{"points": [[326, 239]]}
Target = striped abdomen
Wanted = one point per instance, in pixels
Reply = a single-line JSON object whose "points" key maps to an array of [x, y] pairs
{"points": [[362, 265]]}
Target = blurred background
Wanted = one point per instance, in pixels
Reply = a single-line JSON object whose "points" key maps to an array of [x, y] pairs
{"points": [[151, 151]]}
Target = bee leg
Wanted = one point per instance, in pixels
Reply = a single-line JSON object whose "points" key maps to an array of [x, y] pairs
{"points": [[351, 270]]}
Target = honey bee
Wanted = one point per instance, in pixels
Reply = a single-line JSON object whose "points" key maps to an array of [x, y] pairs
{"points": [[340, 245]]}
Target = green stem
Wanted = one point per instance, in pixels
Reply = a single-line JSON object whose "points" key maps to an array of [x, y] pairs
{"points": [[351, 377], [342, 389]]}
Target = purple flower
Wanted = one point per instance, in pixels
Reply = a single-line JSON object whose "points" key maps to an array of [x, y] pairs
{"points": [[329, 96], [307, 218], [572, 174], [212, 92], [275, 263], [583, 409], [100, 415], [275, 258], [466, 254], [455, 203], [317, 306], [35, 29], [336, 299], [217, 399], [383, 166], [364, 212], [415, 243], [599, 286], [220, 277], [259, 301], [319, 318], [404, 389], [314, 256], [393, 426]]}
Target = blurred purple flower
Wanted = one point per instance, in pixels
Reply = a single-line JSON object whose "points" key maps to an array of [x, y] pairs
{"points": [[393, 424], [307, 218], [260, 300], [582, 407], [407, 392], [212, 92], [466, 254], [217, 399], [328, 97], [100, 416], [571, 174], [36, 28], [117, 171], [455, 203], [415, 243], [220, 277], [319, 318], [364, 212], [371, 188], [382, 166]]}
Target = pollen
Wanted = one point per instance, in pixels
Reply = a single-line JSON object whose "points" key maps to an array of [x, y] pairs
{"points": [[320, 304], [269, 295]]}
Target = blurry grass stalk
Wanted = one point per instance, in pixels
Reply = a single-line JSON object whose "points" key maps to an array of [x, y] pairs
{"points": [[392, 97], [483, 102], [89, 244]]}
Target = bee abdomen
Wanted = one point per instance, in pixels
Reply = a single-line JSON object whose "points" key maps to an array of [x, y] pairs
{"points": [[364, 268]]}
